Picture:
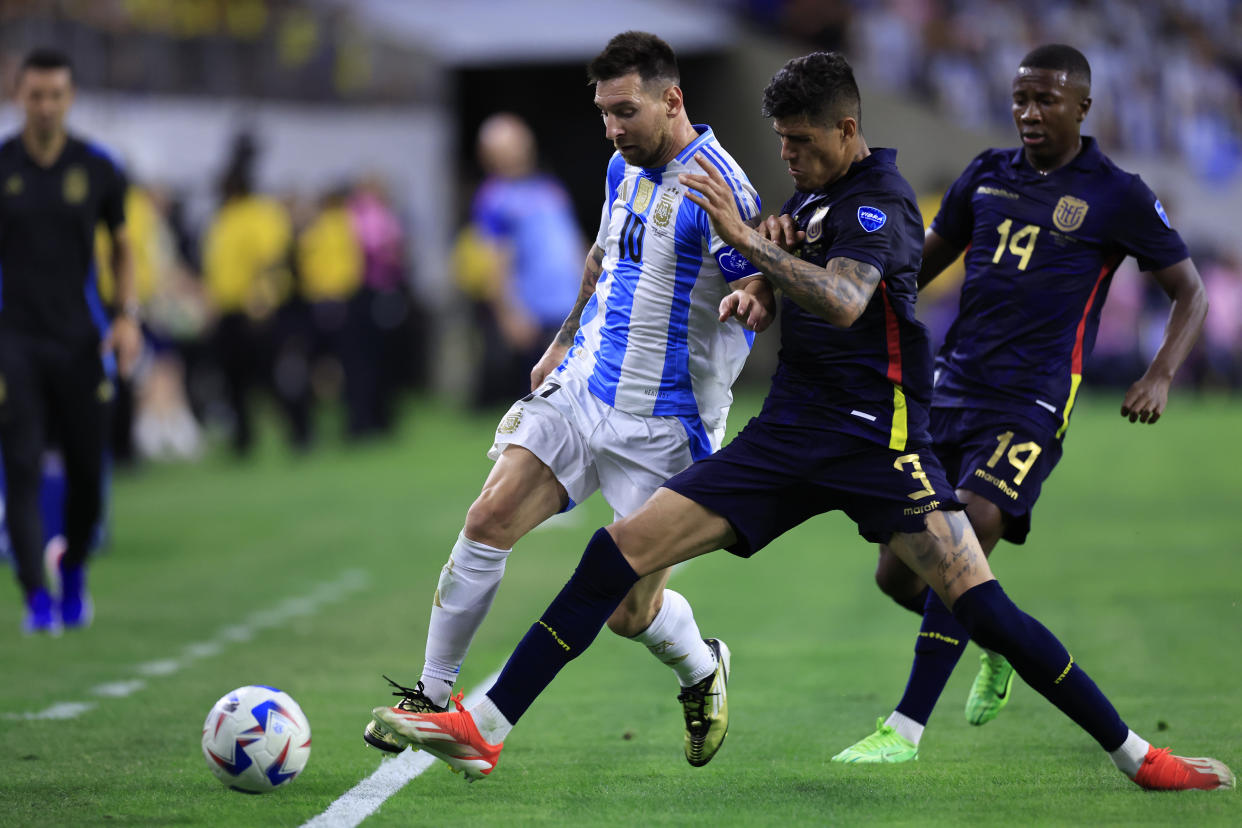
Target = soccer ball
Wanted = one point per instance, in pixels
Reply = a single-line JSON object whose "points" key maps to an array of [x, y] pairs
{"points": [[256, 739]]}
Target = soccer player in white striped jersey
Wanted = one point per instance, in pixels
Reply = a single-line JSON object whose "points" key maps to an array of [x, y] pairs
{"points": [[633, 389]]}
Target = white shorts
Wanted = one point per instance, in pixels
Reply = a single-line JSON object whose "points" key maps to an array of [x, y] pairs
{"points": [[590, 445]]}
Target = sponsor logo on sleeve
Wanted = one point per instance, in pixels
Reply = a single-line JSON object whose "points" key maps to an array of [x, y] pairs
{"points": [[733, 264], [871, 218], [1163, 217]]}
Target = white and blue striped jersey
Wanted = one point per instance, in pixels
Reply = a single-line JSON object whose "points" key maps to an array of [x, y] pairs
{"points": [[650, 340]]}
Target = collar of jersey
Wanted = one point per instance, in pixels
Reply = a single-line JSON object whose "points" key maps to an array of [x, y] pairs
{"points": [[705, 135], [1088, 158], [878, 155], [26, 158]]}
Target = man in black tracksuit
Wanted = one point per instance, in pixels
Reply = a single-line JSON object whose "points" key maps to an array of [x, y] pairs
{"points": [[56, 340]]}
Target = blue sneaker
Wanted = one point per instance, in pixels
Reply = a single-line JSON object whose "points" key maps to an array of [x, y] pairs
{"points": [[76, 607], [40, 614]]}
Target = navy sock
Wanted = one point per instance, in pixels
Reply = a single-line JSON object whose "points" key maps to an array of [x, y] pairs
{"points": [[1043, 662], [567, 627], [939, 647]]}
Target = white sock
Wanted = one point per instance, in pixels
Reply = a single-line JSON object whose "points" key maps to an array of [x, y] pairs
{"points": [[674, 639], [906, 727], [468, 583], [1129, 757], [492, 724]]}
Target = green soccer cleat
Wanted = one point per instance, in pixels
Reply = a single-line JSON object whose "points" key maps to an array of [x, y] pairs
{"points": [[414, 700], [706, 708], [990, 692], [886, 745]]}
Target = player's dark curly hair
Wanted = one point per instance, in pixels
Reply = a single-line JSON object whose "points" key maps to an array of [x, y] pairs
{"points": [[819, 86], [44, 60], [1060, 58], [640, 52]]}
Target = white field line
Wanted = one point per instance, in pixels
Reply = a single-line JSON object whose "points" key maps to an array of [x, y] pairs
{"points": [[365, 798], [349, 581]]}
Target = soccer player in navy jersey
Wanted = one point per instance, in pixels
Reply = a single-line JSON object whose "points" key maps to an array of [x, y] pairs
{"points": [[845, 426], [1044, 227], [634, 387]]}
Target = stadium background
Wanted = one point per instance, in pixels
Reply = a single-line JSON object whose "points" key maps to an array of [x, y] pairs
{"points": [[337, 91]]}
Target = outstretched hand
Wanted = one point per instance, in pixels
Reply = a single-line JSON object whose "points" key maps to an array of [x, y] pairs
{"points": [[712, 192], [1145, 400], [749, 309]]}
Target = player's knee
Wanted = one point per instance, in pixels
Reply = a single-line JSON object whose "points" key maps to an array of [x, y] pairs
{"points": [[895, 579], [986, 519], [629, 619], [488, 521]]}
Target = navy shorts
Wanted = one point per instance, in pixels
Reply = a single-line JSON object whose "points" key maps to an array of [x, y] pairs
{"points": [[1000, 456], [773, 477]]}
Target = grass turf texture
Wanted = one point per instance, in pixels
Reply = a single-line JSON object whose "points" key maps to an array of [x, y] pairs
{"points": [[1132, 561]]}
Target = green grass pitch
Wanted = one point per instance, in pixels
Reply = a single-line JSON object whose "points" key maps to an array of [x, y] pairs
{"points": [[1133, 561]]}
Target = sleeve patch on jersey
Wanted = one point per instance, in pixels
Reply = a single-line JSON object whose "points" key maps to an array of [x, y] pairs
{"points": [[871, 218], [1163, 217], [734, 265]]}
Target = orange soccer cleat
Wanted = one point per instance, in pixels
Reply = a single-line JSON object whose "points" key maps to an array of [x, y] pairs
{"points": [[1162, 771], [451, 736]]}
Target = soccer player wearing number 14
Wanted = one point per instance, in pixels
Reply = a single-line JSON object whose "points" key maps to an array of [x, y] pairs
{"points": [[1044, 226]]}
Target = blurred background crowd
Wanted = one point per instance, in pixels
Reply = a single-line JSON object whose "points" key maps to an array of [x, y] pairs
{"points": [[335, 203]]}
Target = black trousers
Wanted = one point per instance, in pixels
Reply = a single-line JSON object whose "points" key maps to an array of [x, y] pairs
{"points": [[51, 391]]}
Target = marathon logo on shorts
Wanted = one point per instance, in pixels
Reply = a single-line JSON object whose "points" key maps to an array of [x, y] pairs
{"points": [[921, 509], [1005, 488], [871, 218], [1163, 217]]}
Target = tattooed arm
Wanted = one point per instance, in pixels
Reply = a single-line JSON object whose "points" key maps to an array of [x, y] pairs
{"points": [[838, 292], [555, 354]]}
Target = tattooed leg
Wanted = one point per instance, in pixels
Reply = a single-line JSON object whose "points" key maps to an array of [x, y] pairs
{"points": [[946, 555]]}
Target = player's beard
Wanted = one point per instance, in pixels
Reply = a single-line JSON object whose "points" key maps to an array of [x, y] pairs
{"points": [[649, 154]]}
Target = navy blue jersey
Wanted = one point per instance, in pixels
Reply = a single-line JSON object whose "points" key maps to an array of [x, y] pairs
{"points": [[48, 217], [1040, 255], [873, 379]]}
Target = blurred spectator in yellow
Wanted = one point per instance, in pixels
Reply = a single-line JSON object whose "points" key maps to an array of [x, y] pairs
{"points": [[526, 217], [330, 267], [247, 278]]}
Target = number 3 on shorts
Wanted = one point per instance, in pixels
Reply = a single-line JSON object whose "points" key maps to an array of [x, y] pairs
{"points": [[916, 471]]}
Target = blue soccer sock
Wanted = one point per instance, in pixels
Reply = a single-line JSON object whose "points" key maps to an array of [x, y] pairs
{"points": [[567, 627], [941, 642], [995, 622]]}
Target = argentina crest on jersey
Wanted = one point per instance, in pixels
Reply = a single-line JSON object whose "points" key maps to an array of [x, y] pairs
{"points": [[871, 218]]}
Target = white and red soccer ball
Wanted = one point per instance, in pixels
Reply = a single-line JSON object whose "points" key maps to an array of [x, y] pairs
{"points": [[256, 739]]}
